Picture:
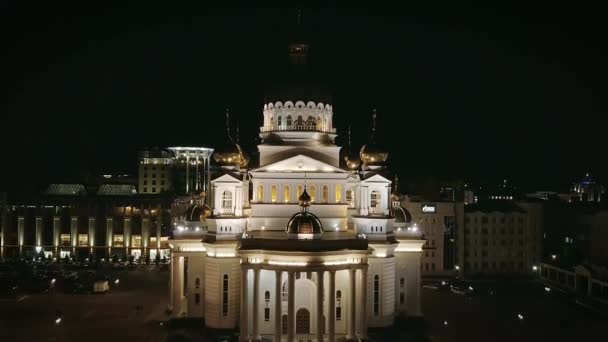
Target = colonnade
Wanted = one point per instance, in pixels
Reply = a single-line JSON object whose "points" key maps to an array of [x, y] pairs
{"points": [[356, 318]]}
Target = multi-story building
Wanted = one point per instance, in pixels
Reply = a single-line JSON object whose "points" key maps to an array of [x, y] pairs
{"points": [[313, 253], [179, 170], [438, 222], [500, 237], [69, 220]]}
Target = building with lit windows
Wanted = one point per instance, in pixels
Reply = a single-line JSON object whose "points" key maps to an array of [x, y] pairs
{"points": [[500, 237], [178, 170], [296, 247]]}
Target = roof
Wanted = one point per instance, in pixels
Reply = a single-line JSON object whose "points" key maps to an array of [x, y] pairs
{"points": [[116, 190], [65, 189], [494, 206]]}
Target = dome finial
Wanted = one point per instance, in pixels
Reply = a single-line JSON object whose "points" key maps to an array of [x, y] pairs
{"points": [[397, 184], [299, 16], [228, 122], [374, 121], [237, 131], [349, 144]]}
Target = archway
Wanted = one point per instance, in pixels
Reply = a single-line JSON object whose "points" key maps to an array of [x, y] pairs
{"points": [[302, 321]]}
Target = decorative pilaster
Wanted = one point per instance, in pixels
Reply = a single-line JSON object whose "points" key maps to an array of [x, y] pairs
{"points": [[277, 305], [332, 307]]}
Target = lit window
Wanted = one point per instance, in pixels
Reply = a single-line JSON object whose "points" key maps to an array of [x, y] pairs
{"points": [[83, 239], [288, 121], [298, 191], [286, 197], [119, 240], [225, 296], [260, 193], [273, 193], [227, 200], [325, 193], [65, 239], [313, 193], [338, 189], [136, 241]]}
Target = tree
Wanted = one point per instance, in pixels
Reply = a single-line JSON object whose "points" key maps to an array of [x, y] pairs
{"points": [[66, 259], [114, 258], [164, 259], [157, 259], [147, 259], [131, 259]]}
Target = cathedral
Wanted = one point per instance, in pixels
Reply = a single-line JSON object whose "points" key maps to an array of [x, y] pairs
{"points": [[301, 246]]}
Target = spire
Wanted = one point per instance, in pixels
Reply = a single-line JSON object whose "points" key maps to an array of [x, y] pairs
{"points": [[397, 184], [299, 16], [228, 123], [237, 131], [374, 122], [349, 142]]}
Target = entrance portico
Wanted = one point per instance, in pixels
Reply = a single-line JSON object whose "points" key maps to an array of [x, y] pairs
{"points": [[305, 287]]}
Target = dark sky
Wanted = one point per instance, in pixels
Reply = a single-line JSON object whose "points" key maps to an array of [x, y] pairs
{"points": [[479, 93]]}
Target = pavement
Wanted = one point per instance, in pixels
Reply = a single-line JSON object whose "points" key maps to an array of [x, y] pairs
{"points": [[509, 311], [97, 317]]}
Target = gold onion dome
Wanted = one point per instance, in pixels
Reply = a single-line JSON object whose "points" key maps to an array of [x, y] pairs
{"points": [[371, 153], [230, 153], [352, 159]]}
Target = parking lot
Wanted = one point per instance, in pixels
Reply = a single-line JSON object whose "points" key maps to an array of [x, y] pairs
{"points": [[131, 310]]}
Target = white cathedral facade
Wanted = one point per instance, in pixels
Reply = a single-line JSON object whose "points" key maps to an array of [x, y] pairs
{"points": [[314, 253]]}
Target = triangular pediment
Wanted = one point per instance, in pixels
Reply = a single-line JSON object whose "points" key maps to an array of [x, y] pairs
{"points": [[226, 179], [376, 179], [299, 163]]}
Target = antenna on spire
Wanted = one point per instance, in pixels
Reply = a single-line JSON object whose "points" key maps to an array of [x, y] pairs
{"points": [[237, 131], [299, 16], [397, 184], [349, 145], [228, 122], [374, 121]]}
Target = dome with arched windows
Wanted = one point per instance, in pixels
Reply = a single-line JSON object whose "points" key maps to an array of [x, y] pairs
{"points": [[304, 225]]}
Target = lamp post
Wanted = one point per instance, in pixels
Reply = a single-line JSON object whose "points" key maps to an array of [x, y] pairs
{"points": [[457, 268]]}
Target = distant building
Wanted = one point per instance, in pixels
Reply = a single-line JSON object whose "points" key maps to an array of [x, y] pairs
{"points": [[588, 190], [500, 237], [68, 221], [180, 170], [438, 222]]}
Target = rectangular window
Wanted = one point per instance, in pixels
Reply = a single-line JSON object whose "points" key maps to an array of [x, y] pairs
{"points": [[376, 295], [136, 241], [83, 239], [145, 182], [197, 298], [266, 314], [401, 298], [119, 240], [153, 189], [338, 313], [350, 198], [225, 296], [338, 190], [64, 239]]}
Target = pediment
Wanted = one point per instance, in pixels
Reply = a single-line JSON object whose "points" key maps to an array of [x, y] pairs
{"points": [[226, 179], [299, 163], [377, 179]]}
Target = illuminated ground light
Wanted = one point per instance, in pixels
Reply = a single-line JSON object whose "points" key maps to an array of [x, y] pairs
{"points": [[520, 317]]}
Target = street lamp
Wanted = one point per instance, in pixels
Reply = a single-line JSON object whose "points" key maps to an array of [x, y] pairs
{"points": [[553, 256]]}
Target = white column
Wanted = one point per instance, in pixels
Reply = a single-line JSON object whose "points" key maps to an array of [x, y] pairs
{"points": [[331, 333], [20, 231], [352, 317], [177, 273], [244, 316], [56, 230], [291, 319], [91, 231], [256, 303], [277, 305], [363, 304], [74, 233], [320, 306]]}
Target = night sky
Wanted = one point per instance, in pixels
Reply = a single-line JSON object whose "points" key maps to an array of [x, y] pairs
{"points": [[481, 94]]}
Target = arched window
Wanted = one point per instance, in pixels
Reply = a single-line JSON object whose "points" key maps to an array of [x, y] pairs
{"points": [[267, 296], [227, 200], [375, 198], [338, 190], [271, 121], [197, 283], [273, 193], [288, 121], [376, 295], [338, 296], [286, 194], [313, 193], [279, 121], [339, 305], [319, 123], [299, 121], [260, 193], [298, 191], [225, 296], [325, 193]]}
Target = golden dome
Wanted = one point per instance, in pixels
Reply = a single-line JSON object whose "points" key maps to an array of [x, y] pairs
{"points": [[230, 153], [371, 153]]}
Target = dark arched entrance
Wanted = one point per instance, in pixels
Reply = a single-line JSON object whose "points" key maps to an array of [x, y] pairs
{"points": [[303, 321]]}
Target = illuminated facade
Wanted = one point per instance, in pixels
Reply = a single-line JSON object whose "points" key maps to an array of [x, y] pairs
{"points": [[312, 254]]}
